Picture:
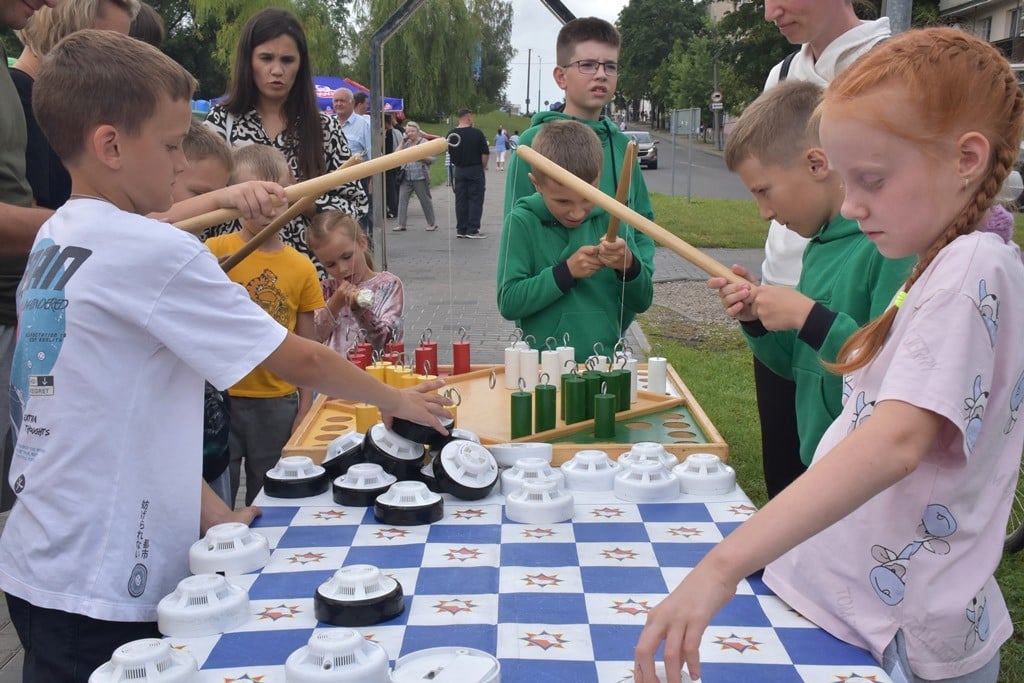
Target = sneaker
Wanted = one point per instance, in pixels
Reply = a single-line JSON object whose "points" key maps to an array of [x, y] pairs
{"points": [[476, 236], [398, 228], [460, 235], [432, 228]]}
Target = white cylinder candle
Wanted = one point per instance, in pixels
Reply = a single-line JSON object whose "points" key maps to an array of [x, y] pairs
{"points": [[566, 359], [528, 367], [550, 366], [511, 367], [600, 363], [657, 374], [632, 365]]}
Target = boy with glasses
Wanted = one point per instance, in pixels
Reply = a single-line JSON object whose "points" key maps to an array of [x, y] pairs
{"points": [[587, 50]]}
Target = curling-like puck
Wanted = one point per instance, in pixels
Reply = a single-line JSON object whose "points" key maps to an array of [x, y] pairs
{"points": [[408, 503], [360, 486], [358, 595], [424, 434], [342, 453], [396, 454], [466, 470], [295, 476]]}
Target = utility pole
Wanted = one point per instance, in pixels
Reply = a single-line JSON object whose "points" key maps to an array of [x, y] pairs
{"points": [[529, 53], [898, 12]]}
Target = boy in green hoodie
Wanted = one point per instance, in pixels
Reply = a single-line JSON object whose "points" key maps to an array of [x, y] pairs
{"points": [[557, 273], [845, 281], [587, 50]]}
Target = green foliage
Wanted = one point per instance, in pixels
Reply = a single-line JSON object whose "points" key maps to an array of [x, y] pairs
{"points": [[650, 29], [429, 60], [750, 46]]}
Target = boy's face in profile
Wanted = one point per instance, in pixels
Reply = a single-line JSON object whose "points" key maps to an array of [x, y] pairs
{"points": [[569, 208], [586, 94], [201, 176], [793, 195], [149, 161]]}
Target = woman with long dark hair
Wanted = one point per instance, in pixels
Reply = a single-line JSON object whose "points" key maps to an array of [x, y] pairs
{"points": [[271, 101]]}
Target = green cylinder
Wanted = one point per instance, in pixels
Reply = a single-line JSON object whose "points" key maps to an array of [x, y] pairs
{"points": [[544, 407], [593, 379], [623, 388], [604, 416], [575, 400], [522, 414]]}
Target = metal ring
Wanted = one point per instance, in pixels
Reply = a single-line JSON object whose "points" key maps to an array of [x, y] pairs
{"points": [[454, 142], [545, 378], [448, 394], [492, 381]]}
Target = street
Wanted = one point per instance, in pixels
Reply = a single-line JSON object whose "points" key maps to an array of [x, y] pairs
{"points": [[710, 176]]}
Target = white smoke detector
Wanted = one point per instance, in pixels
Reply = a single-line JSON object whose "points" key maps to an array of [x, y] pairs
{"points": [[704, 474], [202, 605], [231, 548], [338, 655], [150, 660]]}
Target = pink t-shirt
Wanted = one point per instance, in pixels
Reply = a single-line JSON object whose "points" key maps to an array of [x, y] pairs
{"points": [[920, 555]]}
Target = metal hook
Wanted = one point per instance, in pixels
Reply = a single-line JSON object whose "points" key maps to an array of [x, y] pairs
{"points": [[517, 334], [598, 349], [425, 336], [591, 363], [604, 387], [545, 378], [565, 339], [492, 381], [527, 339], [548, 343], [448, 394], [463, 333], [376, 355], [427, 367], [619, 347], [522, 384]]}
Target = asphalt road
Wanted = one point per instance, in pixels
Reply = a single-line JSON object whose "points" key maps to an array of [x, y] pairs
{"points": [[707, 175]]}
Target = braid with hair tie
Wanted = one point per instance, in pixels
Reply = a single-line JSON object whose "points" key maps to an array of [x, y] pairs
{"points": [[953, 80]]}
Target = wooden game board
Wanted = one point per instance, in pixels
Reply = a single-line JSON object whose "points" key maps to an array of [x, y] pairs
{"points": [[675, 420]]}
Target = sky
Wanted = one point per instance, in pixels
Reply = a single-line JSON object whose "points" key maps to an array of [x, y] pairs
{"points": [[535, 27]]}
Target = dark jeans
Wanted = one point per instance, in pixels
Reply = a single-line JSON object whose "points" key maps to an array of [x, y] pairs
{"points": [[780, 443], [65, 647], [469, 198], [391, 192]]}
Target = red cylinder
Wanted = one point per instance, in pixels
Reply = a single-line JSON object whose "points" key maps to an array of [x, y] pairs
{"points": [[360, 359], [364, 347], [426, 353], [393, 357], [460, 357], [396, 346]]}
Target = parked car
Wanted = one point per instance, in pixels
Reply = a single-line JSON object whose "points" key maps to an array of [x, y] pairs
{"points": [[647, 151]]}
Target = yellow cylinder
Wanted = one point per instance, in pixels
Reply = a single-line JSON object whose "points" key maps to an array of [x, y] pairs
{"points": [[366, 416], [377, 369], [409, 379], [393, 375]]}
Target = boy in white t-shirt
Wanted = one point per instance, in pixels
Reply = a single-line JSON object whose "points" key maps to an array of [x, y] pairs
{"points": [[121, 319]]}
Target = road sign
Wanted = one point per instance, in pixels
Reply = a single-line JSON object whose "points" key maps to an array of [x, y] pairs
{"points": [[685, 121], [716, 106], [716, 96]]}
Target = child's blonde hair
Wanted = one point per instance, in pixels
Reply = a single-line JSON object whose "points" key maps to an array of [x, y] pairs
{"points": [[326, 223], [48, 25], [776, 128], [573, 146], [202, 142], [954, 83], [263, 161]]}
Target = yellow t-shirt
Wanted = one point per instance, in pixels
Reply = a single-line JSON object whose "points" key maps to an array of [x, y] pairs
{"points": [[284, 283]]}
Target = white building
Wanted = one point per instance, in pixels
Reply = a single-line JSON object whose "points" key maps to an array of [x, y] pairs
{"points": [[997, 21]]}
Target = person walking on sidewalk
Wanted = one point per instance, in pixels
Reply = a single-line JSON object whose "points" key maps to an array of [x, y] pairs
{"points": [[469, 155], [415, 177]]}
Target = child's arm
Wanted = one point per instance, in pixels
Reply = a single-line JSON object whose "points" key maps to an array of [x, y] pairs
{"points": [[253, 199], [876, 455], [213, 511], [18, 227], [304, 327], [384, 316], [737, 299], [305, 363], [781, 308]]}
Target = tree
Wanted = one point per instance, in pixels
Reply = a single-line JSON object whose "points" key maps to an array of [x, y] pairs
{"points": [[649, 31], [496, 51]]}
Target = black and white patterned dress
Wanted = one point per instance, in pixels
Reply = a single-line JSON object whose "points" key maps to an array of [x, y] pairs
{"points": [[248, 129]]}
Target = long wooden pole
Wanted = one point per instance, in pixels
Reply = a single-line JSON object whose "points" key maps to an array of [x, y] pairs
{"points": [[266, 233], [622, 192], [321, 184], [641, 223]]}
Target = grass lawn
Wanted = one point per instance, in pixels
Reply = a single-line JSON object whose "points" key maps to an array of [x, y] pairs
{"points": [[716, 365]]}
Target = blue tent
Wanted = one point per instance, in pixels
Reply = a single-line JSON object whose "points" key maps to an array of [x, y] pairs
{"points": [[326, 85]]}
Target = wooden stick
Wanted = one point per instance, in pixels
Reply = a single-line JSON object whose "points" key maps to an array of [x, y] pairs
{"points": [[266, 233], [622, 192], [641, 223], [321, 184]]}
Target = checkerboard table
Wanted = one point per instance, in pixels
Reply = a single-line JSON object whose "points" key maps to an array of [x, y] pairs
{"points": [[553, 602]]}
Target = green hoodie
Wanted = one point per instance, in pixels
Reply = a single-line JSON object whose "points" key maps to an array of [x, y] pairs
{"points": [[536, 289], [851, 283], [613, 143]]}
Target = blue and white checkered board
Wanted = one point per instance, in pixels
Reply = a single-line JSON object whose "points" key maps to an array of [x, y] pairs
{"points": [[561, 602]]}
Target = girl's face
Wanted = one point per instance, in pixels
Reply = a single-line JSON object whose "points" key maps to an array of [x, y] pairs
{"points": [[275, 64], [902, 197], [343, 258]]}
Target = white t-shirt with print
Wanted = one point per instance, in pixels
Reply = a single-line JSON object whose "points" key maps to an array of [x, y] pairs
{"points": [[121, 319], [920, 555]]}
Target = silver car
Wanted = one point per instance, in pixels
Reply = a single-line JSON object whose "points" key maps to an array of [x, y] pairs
{"points": [[647, 152]]}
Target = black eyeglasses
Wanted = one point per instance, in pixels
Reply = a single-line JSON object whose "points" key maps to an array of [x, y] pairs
{"points": [[590, 66]]}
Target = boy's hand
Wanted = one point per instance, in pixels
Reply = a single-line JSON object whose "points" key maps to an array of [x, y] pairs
{"points": [[254, 199], [782, 308], [585, 262], [737, 300], [615, 254], [421, 404]]}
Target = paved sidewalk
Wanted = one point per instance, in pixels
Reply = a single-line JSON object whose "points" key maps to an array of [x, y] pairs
{"points": [[449, 283]]}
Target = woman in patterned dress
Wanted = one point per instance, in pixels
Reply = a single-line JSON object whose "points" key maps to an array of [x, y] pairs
{"points": [[271, 101]]}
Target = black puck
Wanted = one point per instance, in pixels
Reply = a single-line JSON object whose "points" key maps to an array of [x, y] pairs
{"points": [[466, 470], [422, 433], [398, 456], [347, 452], [363, 612]]}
